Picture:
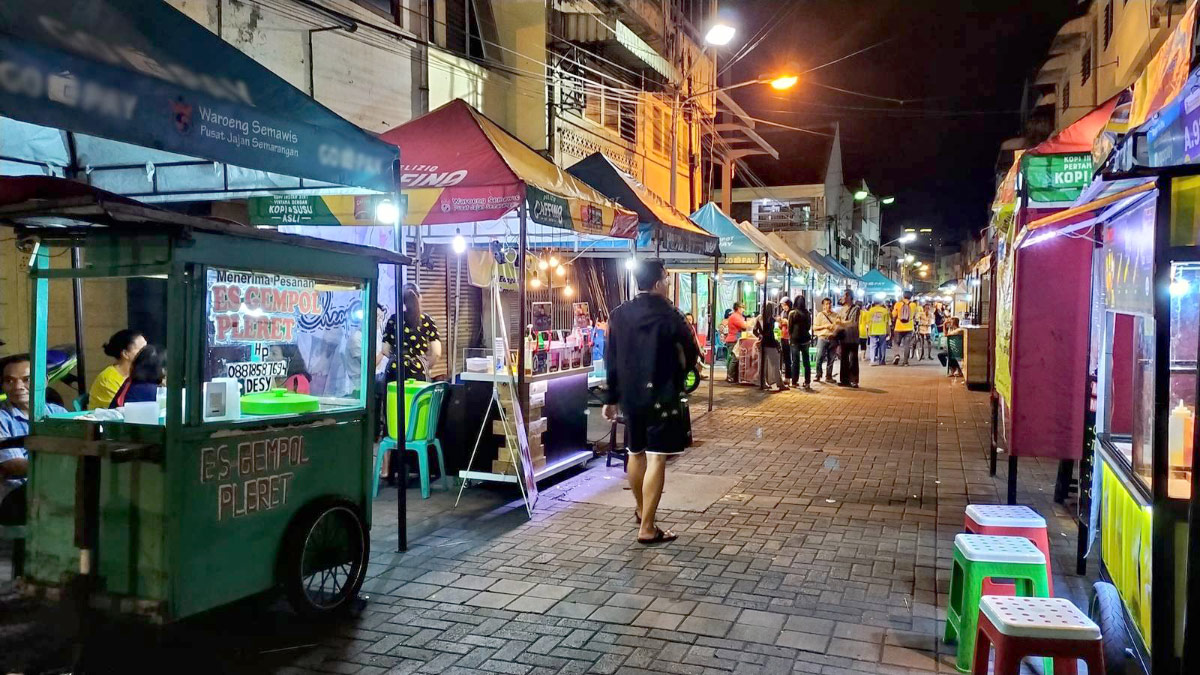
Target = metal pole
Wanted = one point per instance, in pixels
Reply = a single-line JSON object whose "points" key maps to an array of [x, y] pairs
{"points": [[77, 301], [453, 327], [402, 484], [521, 251], [712, 329], [762, 305]]}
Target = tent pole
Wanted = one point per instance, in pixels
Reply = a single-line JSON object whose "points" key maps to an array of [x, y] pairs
{"points": [[712, 329], [401, 457], [522, 250], [762, 347]]}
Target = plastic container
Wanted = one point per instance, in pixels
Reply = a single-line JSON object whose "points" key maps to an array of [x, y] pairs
{"points": [[478, 365], [411, 387], [279, 402]]}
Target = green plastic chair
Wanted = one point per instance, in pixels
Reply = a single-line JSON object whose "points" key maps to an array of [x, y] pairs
{"points": [[80, 403], [428, 402]]}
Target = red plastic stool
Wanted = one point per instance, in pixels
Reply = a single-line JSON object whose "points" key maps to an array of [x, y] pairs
{"points": [[1009, 521], [1048, 627]]}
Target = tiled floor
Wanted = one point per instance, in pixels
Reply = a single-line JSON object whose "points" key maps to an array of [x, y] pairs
{"points": [[829, 555]]}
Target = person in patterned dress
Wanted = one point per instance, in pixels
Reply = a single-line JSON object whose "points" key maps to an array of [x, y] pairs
{"points": [[422, 346]]}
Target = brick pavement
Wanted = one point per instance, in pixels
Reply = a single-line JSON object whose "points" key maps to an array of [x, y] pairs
{"points": [[830, 555]]}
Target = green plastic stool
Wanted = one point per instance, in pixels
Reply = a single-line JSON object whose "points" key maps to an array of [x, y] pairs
{"points": [[422, 433], [978, 557]]}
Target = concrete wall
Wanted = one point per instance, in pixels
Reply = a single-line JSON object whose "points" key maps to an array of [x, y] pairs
{"points": [[521, 25], [366, 76], [104, 302]]}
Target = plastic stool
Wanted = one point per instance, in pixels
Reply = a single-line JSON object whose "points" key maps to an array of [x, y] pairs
{"points": [[977, 557], [1049, 627], [1009, 521], [623, 453]]}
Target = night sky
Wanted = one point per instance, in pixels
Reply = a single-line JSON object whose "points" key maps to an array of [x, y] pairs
{"points": [[958, 65]]}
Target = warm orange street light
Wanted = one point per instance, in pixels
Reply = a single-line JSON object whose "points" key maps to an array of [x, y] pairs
{"points": [[784, 82]]}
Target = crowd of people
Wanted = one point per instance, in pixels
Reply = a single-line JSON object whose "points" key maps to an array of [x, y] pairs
{"points": [[840, 335]]}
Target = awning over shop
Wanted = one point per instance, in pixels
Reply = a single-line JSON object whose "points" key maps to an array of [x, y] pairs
{"points": [[142, 100], [875, 282], [778, 253], [461, 167], [1078, 137], [658, 222], [736, 247], [1101, 198], [795, 257], [840, 269]]}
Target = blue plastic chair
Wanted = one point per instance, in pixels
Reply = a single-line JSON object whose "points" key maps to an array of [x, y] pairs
{"points": [[427, 401]]}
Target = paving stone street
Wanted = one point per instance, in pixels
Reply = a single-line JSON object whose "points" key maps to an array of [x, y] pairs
{"points": [[830, 554]]}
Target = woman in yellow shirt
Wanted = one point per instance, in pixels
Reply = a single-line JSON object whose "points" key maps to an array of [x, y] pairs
{"points": [[122, 347]]}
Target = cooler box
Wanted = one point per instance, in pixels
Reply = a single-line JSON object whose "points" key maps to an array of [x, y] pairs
{"points": [[411, 387]]}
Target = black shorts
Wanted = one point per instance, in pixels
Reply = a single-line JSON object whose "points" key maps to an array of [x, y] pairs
{"points": [[650, 432]]}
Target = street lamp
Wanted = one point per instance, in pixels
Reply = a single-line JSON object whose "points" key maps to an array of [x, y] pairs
{"points": [[861, 195], [887, 201], [903, 239], [720, 34], [778, 83]]}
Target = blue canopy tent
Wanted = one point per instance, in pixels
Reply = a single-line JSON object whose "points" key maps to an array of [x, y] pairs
{"points": [[739, 254], [140, 100], [876, 284]]}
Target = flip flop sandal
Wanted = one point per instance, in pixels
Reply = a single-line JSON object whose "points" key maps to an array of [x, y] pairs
{"points": [[659, 537]]}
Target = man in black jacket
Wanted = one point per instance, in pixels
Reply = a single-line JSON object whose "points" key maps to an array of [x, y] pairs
{"points": [[649, 351], [799, 337]]}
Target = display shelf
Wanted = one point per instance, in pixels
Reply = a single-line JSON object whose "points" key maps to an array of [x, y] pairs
{"points": [[560, 464], [541, 377]]}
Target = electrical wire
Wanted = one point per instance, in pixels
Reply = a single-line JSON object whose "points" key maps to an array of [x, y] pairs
{"points": [[752, 44], [850, 55]]}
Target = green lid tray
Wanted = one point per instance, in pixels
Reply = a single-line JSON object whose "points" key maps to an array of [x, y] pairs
{"points": [[279, 402]]}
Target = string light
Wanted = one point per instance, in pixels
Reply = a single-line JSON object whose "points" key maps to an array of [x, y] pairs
{"points": [[553, 260], [560, 271], [536, 282], [568, 291], [543, 265]]}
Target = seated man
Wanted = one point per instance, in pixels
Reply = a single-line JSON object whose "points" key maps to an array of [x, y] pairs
{"points": [[14, 421]]}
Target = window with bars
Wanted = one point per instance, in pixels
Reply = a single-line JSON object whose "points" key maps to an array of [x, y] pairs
{"points": [[658, 129], [1085, 66], [1066, 96], [607, 108], [1108, 23]]}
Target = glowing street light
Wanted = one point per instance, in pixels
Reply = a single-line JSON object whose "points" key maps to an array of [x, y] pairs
{"points": [[909, 258], [720, 34], [861, 195], [784, 82], [887, 201], [907, 237]]}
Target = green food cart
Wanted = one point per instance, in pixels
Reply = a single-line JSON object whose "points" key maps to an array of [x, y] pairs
{"points": [[228, 486]]}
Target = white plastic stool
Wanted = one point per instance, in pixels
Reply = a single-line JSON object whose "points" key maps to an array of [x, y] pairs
{"points": [[996, 549], [1051, 627], [1003, 515]]}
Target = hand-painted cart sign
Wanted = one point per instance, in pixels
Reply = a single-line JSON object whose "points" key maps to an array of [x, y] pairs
{"points": [[252, 476], [252, 307], [256, 376]]}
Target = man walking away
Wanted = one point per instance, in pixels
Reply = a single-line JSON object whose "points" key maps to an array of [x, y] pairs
{"points": [[824, 326], [877, 330], [736, 324], [904, 314], [650, 350], [848, 326], [800, 337]]}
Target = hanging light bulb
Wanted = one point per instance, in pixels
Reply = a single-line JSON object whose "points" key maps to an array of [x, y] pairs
{"points": [[560, 271], [543, 265], [535, 282], [459, 244], [760, 276], [568, 291], [553, 260]]}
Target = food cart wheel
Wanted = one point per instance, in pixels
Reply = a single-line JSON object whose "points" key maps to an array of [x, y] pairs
{"points": [[324, 557], [1108, 613]]}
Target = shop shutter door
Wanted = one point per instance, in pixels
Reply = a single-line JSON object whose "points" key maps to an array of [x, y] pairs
{"points": [[437, 300]]}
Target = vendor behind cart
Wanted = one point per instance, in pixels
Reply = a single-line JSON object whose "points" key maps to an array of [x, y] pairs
{"points": [[14, 422], [422, 342]]}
